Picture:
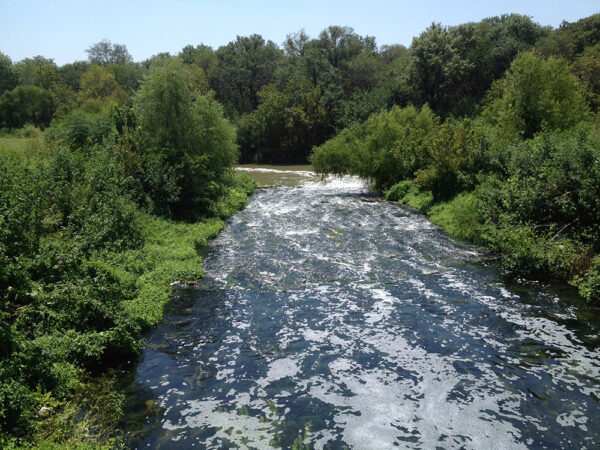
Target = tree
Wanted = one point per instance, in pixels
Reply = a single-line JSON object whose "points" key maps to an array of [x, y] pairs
{"points": [[437, 67], [244, 66], [26, 104], [105, 52], [587, 69], [537, 94], [340, 44], [286, 124], [129, 75], [158, 60], [295, 44], [37, 71], [571, 39], [200, 55], [70, 74], [98, 89], [453, 67], [188, 145], [8, 76]]}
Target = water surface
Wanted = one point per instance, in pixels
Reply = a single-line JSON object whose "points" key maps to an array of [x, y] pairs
{"points": [[334, 319]]}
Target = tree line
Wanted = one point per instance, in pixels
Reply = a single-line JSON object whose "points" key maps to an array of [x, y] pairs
{"points": [[286, 99]]}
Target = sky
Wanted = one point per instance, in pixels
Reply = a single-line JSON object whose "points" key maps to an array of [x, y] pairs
{"points": [[64, 29]]}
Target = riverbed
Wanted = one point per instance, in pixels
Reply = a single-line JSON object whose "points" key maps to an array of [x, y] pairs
{"points": [[331, 318]]}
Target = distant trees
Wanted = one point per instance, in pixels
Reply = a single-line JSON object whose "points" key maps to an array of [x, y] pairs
{"points": [[346, 75], [243, 67], [105, 52], [37, 71], [26, 104], [453, 67], [70, 74], [286, 124], [8, 76]]}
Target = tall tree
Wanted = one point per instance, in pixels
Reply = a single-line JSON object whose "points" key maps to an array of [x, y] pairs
{"points": [[244, 66], [188, 145], [295, 43], [99, 88], [437, 67], [105, 52], [37, 71], [8, 76], [537, 94]]}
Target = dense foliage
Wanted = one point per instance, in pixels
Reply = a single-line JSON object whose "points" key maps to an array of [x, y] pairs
{"points": [[85, 261], [523, 177], [185, 131], [284, 100]]}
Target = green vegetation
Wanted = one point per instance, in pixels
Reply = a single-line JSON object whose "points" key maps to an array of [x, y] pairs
{"points": [[91, 241], [522, 177], [112, 172]]}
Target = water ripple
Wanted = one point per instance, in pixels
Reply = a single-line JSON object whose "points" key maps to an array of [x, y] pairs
{"points": [[331, 318]]}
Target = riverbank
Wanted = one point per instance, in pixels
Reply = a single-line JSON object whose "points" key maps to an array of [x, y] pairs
{"points": [[84, 271], [519, 249], [170, 255]]}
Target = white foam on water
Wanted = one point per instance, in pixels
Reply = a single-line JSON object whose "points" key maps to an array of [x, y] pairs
{"points": [[379, 323]]}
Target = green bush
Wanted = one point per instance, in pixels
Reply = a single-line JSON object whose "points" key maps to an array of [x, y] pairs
{"points": [[553, 183], [528, 254], [410, 194], [78, 130], [460, 217], [398, 191], [26, 104], [589, 284]]}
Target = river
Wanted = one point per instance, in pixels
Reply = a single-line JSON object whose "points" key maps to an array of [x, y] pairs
{"points": [[333, 319]]}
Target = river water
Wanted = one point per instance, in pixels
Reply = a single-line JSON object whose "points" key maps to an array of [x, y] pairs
{"points": [[333, 319]]}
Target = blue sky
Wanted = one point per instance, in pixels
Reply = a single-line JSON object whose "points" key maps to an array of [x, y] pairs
{"points": [[64, 29]]}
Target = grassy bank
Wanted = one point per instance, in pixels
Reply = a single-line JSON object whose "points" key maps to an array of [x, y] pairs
{"points": [[99, 214], [521, 248], [126, 289]]}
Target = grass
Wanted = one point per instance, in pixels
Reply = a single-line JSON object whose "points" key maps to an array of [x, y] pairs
{"points": [[169, 254], [30, 149], [459, 217]]}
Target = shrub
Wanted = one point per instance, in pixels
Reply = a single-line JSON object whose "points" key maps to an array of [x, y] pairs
{"points": [[80, 131], [460, 217], [589, 284], [27, 104]]}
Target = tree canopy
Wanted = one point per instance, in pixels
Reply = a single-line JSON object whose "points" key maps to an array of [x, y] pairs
{"points": [[105, 52]]}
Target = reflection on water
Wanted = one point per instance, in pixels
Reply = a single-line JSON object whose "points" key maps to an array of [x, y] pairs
{"points": [[330, 318]]}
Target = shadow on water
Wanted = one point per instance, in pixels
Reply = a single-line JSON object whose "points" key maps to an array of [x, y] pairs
{"points": [[331, 318]]}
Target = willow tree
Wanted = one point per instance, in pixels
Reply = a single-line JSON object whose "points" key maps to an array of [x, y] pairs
{"points": [[188, 146]]}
